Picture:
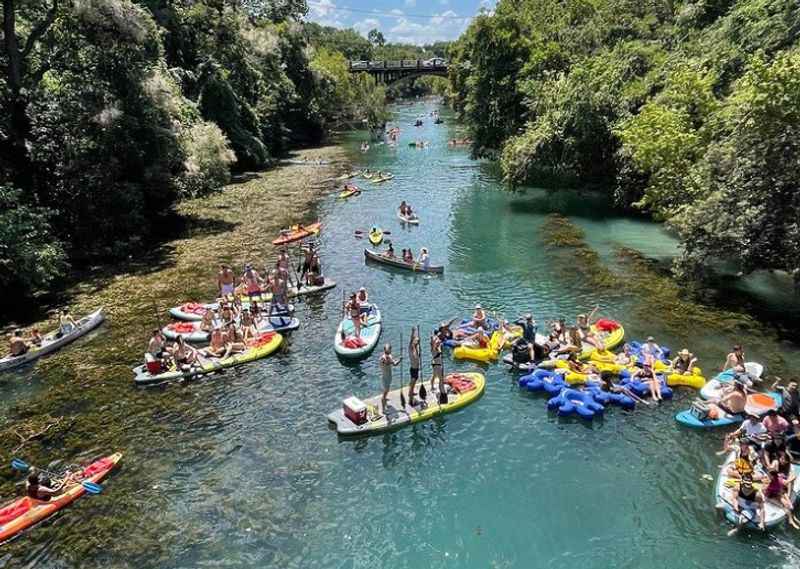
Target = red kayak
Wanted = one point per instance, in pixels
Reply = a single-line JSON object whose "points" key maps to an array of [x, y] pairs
{"points": [[297, 232], [26, 512]]}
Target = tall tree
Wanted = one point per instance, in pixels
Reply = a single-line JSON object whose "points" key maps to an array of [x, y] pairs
{"points": [[376, 38]]}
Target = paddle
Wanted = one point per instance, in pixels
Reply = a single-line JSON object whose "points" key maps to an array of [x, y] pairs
{"points": [[362, 232], [402, 378]]}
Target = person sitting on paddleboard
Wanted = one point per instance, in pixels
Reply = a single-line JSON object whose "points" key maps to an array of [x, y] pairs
{"points": [[218, 343], [731, 403], [735, 360], [207, 323], [747, 503], [183, 353], [156, 345], [777, 491], [387, 362], [234, 341], [36, 488], [248, 325], [745, 461], [684, 363]]}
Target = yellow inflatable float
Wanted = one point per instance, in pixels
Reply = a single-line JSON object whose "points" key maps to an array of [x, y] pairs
{"points": [[487, 354], [694, 380]]}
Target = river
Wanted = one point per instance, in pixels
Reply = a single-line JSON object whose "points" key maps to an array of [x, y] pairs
{"points": [[242, 470]]}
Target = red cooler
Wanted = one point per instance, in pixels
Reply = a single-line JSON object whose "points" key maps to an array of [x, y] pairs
{"points": [[355, 410]]}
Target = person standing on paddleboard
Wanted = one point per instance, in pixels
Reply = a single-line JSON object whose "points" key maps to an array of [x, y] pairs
{"points": [[387, 362], [414, 357], [436, 361], [226, 281]]}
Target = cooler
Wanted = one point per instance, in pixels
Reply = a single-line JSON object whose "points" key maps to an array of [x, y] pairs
{"points": [[355, 410]]}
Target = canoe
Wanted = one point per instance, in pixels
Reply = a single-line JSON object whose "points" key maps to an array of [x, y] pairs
{"points": [[757, 403], [297, 232], [774, 514], [51, 343], [193, 311], [349, 192], [261, 347], [191, 331], [396, 416], [411, 220], [416, 267], [26, 512], [369, 335], [384, 178], [713, 389], [375, 236]]}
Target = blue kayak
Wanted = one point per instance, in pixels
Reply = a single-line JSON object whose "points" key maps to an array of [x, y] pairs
{"points": [[688, 419]]}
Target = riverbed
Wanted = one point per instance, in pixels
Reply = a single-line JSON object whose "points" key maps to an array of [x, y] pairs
{"points": [[242, 470]]}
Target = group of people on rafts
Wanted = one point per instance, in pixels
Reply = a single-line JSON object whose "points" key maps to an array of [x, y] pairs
{"points": [[241, 311]]}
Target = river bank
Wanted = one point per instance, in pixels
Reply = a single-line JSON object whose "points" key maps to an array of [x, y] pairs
{"points": [[73, 400]]}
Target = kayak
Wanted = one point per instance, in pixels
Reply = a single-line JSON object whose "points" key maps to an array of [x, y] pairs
{"points": [[414, 220], [384, 178], [395, 262], [261, 347], [194, 311], [375, 236], [297, 232], [462, 389], [485, 355], [368, 338], [757, 403], [349, 191], [26, 512], [774, 514], [52, 342], [713, 389], [191, 331]]}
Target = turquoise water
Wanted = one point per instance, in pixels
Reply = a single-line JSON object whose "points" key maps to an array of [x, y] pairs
{"points": [[247, 473]]}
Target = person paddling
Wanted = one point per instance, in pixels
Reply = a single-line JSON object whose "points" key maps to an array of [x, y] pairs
{"points": [[415, 360], [748, 504], [36, 489], [387, 362], [437, 364]]}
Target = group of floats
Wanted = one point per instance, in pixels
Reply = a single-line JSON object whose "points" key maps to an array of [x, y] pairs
{"points": [[351, 190]]}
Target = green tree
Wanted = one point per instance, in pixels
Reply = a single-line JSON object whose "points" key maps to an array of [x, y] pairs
{"points": [[376, 38]]}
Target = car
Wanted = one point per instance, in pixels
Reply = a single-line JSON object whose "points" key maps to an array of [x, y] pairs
{"points": [[359, 64], [434, 62]]}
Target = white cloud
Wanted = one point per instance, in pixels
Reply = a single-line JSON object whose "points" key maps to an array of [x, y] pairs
{"points": [[324, 12], [397, 12], [439, 27], [364, 26], [411, 3]]}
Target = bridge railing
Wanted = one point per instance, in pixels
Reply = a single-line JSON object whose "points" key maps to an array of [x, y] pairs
{"points": [[397, 64]]}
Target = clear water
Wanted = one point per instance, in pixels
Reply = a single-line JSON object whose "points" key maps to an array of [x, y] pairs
{"points": [[247, 473]]}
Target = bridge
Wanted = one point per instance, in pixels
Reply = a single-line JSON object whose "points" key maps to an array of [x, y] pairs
{"points": [[388, 72]]}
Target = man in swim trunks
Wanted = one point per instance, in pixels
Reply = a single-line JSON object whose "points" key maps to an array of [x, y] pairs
{"points": [[226, 280], [478, 317], [732, 403], [747, 503], [252, 281]]}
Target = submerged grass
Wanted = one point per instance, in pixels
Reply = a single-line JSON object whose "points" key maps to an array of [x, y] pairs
{"points": [[89, 385]]}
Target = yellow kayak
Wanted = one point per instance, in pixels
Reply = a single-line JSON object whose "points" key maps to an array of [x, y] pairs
{"points": [[462, 389], [375, 236]]}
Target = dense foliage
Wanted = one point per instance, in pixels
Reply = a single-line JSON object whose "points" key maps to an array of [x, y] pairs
{"points": [[112, 110], [686, 109]]}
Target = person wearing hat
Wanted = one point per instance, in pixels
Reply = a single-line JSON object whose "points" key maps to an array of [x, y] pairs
{"points": [[424, 258], [650, 348], [478, 317], [735, 360], [751, 429], [684, 363], [584, 325]]}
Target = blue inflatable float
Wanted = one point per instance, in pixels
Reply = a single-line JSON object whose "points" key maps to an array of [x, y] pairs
{"points": [[642, 389], [574, 402], [544, 380]]}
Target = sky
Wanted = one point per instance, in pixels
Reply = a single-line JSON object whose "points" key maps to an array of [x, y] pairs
{"points": [[404, 21]]}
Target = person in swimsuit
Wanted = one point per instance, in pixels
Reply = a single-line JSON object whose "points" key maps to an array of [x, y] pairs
{"points": [[561, 330], [649, 376], [235, 341], [280, 294], [415, 360], [183, 353], [387, 362], [731, 403], [36, 338], [66, 324], [207, 324], [651, 348], [226, 281], [354, 310], [36, 488], [735, 360], [437, 365], [363, 301], [156, 345], [745, 462], [218, 344], [747, 503], [249, 330], [252, 281], [17, 345], [403, 208], [582, 324], [625, 357], [227, 314], [776, 425], [408, 256], [478, 317], [574, 341]]}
